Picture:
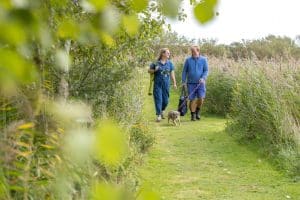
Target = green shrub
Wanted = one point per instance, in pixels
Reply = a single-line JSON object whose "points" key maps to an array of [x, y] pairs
{"points": [[219, 93], [141, 137], [264, 107]]}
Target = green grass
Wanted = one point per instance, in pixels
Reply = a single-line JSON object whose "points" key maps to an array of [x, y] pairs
{"points": [[198, 160]]}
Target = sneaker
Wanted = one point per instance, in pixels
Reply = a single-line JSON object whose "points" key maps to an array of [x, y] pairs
{"points": [[198, 117], [158, 118], [163, 114], [193, 116]]}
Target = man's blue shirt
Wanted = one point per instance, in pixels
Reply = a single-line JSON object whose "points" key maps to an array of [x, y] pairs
{"points": [[194, 69]]}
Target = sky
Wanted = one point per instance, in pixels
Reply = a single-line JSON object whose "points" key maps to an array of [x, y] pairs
{"points": [[243, 19]]}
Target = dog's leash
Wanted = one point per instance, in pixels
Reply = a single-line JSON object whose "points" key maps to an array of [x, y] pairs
{"points": [[187, 97]]}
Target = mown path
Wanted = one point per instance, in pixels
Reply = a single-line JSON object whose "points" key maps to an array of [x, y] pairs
{"points": [[198, 160]]}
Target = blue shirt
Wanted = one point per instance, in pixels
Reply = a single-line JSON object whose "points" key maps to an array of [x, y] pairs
{"points": [[164, 70], [194, 69]]}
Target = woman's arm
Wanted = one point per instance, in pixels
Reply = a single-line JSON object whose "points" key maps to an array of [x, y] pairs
{"points": [[153, 68], [173, 79], [151, 71]]}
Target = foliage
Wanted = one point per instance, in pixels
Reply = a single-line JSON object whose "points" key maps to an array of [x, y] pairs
{"points": [[219, 92], [270, 47], [265, 107]]}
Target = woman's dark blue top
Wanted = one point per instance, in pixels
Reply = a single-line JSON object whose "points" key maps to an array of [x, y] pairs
{"points": [[163, 72]]}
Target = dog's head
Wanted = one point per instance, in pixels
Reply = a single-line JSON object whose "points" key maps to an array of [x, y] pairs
{"points": [[173, 114]]}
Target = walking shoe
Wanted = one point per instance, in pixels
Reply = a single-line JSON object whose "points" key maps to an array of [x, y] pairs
{"points": [[158, 118], [198, 117], [193, 116], [163, 114]]}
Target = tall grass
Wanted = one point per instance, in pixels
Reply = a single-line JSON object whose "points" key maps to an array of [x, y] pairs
{"points": [[265, 108]]}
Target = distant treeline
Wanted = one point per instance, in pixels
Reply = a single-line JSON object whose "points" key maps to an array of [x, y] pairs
{"points": [[270, 47]]}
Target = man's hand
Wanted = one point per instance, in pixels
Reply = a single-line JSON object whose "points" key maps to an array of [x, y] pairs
{"points": [[156, 68], [175, 86]]}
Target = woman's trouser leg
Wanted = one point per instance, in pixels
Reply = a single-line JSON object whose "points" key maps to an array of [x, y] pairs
{"points": [[157, 94], [165, 97]]}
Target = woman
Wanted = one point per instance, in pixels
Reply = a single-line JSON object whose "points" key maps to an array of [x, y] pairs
{"points": [[163, 68]]}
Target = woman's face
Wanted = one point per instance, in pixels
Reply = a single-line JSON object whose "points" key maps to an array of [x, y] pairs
{"points": [[166, 54]]}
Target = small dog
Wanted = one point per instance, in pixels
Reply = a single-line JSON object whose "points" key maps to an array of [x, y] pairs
{"points": [[174, 116]]}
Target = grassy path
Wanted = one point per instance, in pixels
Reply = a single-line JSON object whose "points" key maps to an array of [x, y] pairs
{"points": [[198, 160]]}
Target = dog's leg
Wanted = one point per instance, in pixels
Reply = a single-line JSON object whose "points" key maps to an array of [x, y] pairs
{"points": [[174, 122], [177, 121]]}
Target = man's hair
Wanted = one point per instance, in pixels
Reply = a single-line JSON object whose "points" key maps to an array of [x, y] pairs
{"points": [[195, 47]]}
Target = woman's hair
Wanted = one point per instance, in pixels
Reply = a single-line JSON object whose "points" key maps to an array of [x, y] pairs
{"points": [[161, 52]]}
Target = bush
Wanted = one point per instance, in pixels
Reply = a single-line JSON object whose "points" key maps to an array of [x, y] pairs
{"points": [[141, 137], [219, 92], [265, 107]]}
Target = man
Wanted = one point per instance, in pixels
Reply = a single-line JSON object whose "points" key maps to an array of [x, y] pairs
{"points": [[194, 75]]}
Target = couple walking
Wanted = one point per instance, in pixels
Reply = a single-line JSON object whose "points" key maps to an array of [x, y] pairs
{"points": [[194, 74]]}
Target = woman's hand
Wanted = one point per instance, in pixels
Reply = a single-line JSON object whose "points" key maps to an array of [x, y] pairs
{"points": [[151, 71], [156, 68]]}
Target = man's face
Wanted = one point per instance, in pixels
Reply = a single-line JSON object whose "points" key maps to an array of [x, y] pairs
{"points": [[195, 53]]}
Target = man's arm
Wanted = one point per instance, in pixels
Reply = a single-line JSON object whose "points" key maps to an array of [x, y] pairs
{"points": [[205, 69]]}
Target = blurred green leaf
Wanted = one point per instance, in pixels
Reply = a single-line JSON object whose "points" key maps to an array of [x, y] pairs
{"points": [[111, 144], [107, 39], [5, 4], [18, 26], [211, 3], [170, 7], [63, 60], [131, 24], [98, 4], [68, 29], [69, 111], [78, 145], [45, 37], [24, 17], [204, 11], [101, 191], [20, 3], [139, 5], [147, 193], [58, 3], [12, 33], [26, 126], [109, 20], [15, 69]]}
